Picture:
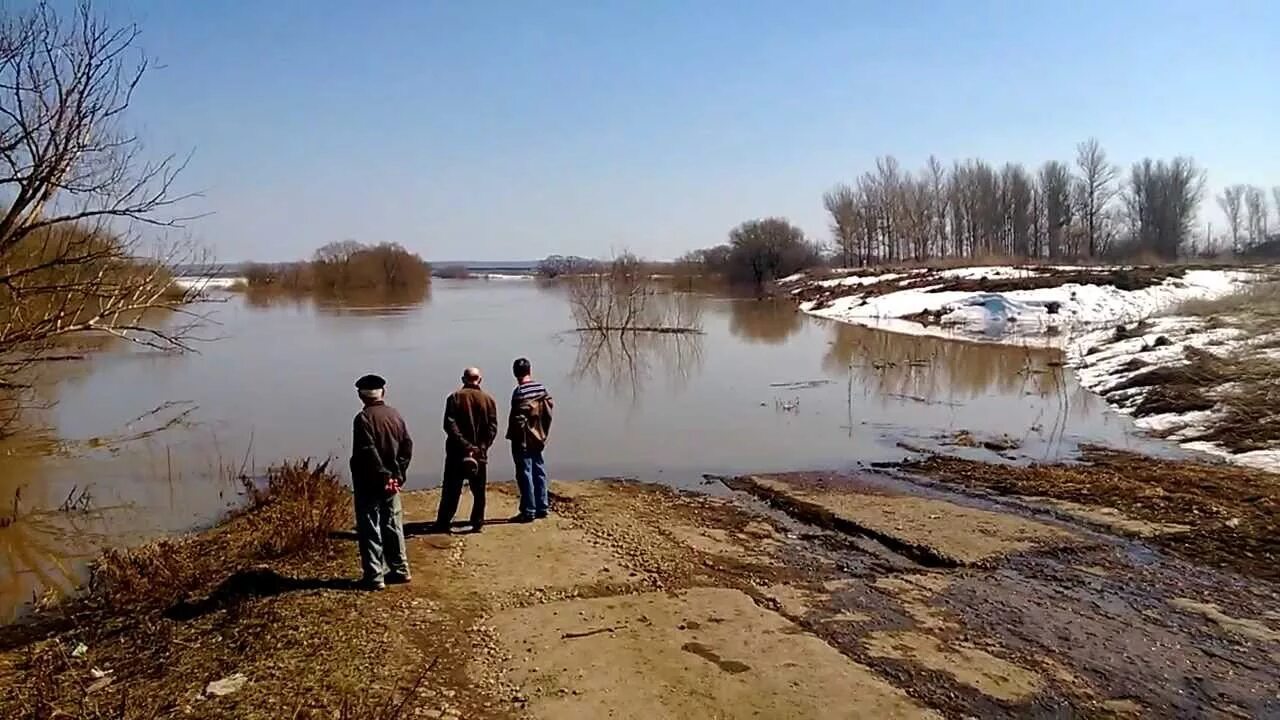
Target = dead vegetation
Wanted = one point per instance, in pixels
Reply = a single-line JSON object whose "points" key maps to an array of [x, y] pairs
{"points": [[299, 505], [622, 299], [1234, 512], [1240, 385], [295, 508]]}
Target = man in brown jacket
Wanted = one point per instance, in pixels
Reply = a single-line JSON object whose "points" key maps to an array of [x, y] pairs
{"points": [[470, 426], [380, 453]]}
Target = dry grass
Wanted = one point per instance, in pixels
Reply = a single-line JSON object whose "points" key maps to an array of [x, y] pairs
{"points": [[1258, 307], [297, 507]]}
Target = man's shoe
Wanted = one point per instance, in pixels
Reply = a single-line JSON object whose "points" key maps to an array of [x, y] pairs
{"points": [[522, 518], [397, 579], [540, 516], [477, 528], [373, 584]]}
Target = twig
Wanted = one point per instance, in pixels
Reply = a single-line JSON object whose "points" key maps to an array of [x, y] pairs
{"points": [[589, 633]]}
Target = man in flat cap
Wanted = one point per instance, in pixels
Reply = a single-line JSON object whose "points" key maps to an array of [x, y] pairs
{"points": [[470, 426], [380, 453]]}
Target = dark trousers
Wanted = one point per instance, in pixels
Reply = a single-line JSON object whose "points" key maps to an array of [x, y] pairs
{"points": [[451, 492]]}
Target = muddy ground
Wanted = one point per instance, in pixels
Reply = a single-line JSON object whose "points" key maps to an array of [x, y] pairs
{"points": [[797, 596]]}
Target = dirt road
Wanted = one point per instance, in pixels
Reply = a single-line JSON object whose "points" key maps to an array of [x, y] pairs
{"points": [[797, 597]]}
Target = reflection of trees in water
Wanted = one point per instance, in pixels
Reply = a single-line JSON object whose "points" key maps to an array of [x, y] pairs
{"points": [[933, 368], [38, 543], [624, 361], [379, 301], [766, 321]]}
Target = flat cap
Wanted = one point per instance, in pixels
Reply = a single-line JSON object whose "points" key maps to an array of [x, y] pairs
{"points": [[371, 382]]}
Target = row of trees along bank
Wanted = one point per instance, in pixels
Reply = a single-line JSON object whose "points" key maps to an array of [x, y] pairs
{"points": [[973, 209]]}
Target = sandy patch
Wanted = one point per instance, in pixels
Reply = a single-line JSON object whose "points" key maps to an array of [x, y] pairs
{"points": [[954, 533], [705, 653]]}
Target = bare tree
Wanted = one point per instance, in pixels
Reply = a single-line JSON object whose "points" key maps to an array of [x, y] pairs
{"points": [[936, 174], [1162, 201], [1255, 202], [1275, 200], [842, 204], [1232, 201], [1095, 188], [1055, 188], [79, 190]]}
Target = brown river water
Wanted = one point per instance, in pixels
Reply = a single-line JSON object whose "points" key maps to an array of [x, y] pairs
{"points": [[149, 444]]}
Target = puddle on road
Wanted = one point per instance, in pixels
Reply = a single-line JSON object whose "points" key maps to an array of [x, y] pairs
{"points": [[763, 388]]}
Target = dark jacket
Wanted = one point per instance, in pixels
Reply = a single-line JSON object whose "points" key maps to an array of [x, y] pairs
{"points": [[529, 424], [470, 423], [380, 444]]}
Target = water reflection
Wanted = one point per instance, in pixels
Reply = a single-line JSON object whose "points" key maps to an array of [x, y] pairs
{"points": [[663, 407], [381, 302], [895, 365], [768, 321], [624, 362]]}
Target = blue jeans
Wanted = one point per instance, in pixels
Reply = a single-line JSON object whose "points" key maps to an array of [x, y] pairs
{"points": [[380, 528], [531, 478]]}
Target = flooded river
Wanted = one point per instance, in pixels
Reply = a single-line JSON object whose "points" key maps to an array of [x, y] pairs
{"points": [[144, 444]]}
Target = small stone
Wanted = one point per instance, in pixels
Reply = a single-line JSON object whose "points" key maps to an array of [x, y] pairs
{"points": [[226, 685]]}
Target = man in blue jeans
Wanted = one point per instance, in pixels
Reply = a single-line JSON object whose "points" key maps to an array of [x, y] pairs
{"points": [[527, 428]]}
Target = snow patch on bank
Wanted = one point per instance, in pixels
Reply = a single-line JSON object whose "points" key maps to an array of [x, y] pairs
{"points": [[185, 282], [1049, 315], [1102, 364]]}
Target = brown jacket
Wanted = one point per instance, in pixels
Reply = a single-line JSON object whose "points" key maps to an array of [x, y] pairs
{"points": [[470, 423], [380, 444]]}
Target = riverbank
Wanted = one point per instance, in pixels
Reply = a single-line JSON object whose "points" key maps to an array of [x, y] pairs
{"points": [[838, 595], [1206, 376], [1038, 304]]}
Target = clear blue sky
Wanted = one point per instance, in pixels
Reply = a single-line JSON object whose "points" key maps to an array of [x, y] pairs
{"points": [[510, 130]]}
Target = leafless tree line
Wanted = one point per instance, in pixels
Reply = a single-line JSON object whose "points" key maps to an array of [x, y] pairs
{"points": [[1245, 207], [622, 298], [973, 209], [84, 209]]}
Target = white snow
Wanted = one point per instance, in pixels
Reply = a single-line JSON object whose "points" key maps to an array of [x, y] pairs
{"points": [[1076, 317], [856, 280], [993, 272], [1055, 312], [185, 282], [1100, 364]]}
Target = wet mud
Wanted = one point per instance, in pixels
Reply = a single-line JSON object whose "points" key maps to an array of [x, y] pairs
{"points": [[796, 595]]}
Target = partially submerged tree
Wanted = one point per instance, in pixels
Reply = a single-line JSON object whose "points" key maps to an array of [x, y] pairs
{"points": [[769, 249], [78, 190]]}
